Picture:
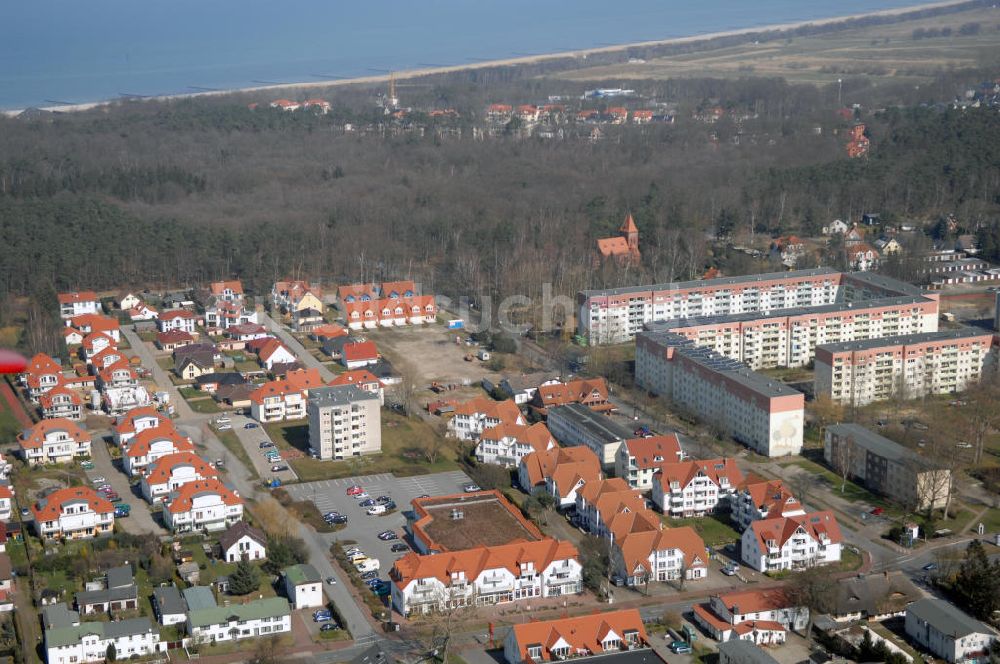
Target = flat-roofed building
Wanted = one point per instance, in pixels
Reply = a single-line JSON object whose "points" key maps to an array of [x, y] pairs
{"points": [[576, 424], [886, 467], [860, 372], [344, 421], [762, 413]]}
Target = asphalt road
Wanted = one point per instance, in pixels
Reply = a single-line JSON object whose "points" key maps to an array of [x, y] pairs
{"points": [[140, 519], [160, 376], [251, 440], [293, 344]]}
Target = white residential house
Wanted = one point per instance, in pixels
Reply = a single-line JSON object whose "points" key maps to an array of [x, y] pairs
{"points": [[947, 632], [6, 500], [151, 444], [485, 576], [303, 586], [792, 542], [638, 459], [506, 444], [761, 616], [241, 541], [695, 488], [474, 416], [172, 471], [62, 402], [559, 472], [177, 319], [277, 403], [203, 505], [128, 300], [73, 513], [77, 303], [54, 441], [89, 641], [758, 499], [275, 353], [836, 227], [666, 554], [260, 617]]}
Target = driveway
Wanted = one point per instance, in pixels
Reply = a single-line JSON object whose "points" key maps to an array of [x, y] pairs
{"points": [[163, 382], [140, 519], [251, 440], [293, 344]]}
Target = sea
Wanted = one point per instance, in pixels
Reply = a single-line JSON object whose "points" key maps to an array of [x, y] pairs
{"points": [[69, 51]]}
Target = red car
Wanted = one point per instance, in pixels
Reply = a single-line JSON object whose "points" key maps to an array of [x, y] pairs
{"points": [[354, 490], [877, 511]]}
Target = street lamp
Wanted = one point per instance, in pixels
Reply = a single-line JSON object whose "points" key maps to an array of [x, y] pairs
{"points": [[840, 89]]}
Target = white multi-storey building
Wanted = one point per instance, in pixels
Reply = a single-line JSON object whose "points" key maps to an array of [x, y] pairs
{"points": [[758, 498], [761, 616], [695, 488], [259, 617], [54, 441], [506, 444], [83, 642], [284, 399], [560, 472], [792, 542], [177, 319], [62, 402], [859, 372], [149, 445], [202, 505], [171, 472], [77, 304], [303, 586], [76, 512], [476, 415], [485, 575], [344, 422], [948, 632], [638, 459], [764, 414], [661, 554]]}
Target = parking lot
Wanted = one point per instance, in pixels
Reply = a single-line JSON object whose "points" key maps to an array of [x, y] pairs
{"points": [[251, 439], [331, 495]]}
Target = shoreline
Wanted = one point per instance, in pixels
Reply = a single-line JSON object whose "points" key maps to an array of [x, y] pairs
{"points": [[502, 62]]}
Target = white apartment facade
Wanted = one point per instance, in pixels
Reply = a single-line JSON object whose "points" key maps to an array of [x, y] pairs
{"points": [[89, 641], [762, 499], [54, 441], [510, 573], [476, 415], [73, 513], [765, 415], [169, 473], [202, 505], [948, 632], [792, 542], [858, 373], [77, 304], [638, 459], [260, 617], [344, 422], [506, 444], [695, 488]]}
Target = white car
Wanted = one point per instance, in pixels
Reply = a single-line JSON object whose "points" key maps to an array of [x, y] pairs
{"points": [[98, 480], [361, 496], [369, 565], [377, 510]]}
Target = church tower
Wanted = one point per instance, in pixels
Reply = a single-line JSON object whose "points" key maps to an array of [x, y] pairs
{"points": [[631, 233]]}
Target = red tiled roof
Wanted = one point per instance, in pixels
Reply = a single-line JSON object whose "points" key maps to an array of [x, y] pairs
{"points": [[49, 508], [96, 322], [174, 337], [756, 601], [219, 287], [176, 313], [361, 350], [79, 296], [356, 377], [34, 437], [685, 471], [126, 423], [581, 390], [583, 634], [46, 399], [188, 492], [140, 445], [91, 340], [561, 464], [781, 529], [536, 435], [505, 411], [160, 471], [653, 451], [636, 547]]}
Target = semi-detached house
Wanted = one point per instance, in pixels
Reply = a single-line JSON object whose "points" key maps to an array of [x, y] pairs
{"points": [[151, 444], [695, 488], [89, 641], [177, 319], [260, 617], [761, 616], [73, 513], [54, 441], [638, 459]]}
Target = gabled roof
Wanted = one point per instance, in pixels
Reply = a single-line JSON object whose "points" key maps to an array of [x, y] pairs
{"points": [[947, 618], [182, 499], [269, 607], [771, 496], [580, 459], [96, 322], [684, 472], [270, 347], [238, 531], [653, 451], [360, 350], [582, 634], [34, 437], [473, 562], [355, 377], [219, 287], [91, 340], [78, 296], [781, 529], [537, 435], [613, 246], [139, 446], [329, 331], [50, 507], [126, 423], [46, 400], [581, 390], [294, 382], [161, 470], [176, 313], [628, 226], [505, 411], [756, 601], [636, 547]]}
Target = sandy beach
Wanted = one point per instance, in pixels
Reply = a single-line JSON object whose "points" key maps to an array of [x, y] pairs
{"points": [[285, 89]]}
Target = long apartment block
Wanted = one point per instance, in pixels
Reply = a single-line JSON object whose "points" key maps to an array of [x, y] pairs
{"points": [[618, 315], [907, 367], [764, 414]]}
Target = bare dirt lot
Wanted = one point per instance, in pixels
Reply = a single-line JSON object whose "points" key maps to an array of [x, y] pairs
{"points": [[874, 52], [429, 354]]}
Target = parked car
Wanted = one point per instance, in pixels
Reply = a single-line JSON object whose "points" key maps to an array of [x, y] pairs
{"points": [[266, 445], [331, 580], [330, 515], [930, 567], [104, 488], [382, 500], [387, 535], [278, 468], [329, 627], [354, 490], [370, 575], [250, 425], [122, 510], [680, 648], [339, 519], [878, 511], [399, 546], [368, 502], [25, 513], [87, 465], [100, 479], [382, 590], [377, 510], [322, 617], [423, 495], [361, 496], [471, 488], [115, 498], [367, 565]]}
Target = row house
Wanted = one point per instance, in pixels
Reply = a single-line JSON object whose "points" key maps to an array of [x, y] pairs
{"points": [[136, 421], [758, 498], [227, 291], [80, 643], [560, 472], [204, 505], [391, 290], [695, 488], [597, 503], [485, 576], [859, 372], [762, 616], [284, 399], [41, 374], [180, 320], [62, 403], [77, 512], [607, 633], [86, 324], [364, 380], [254, 619], [591, 392], [151, 444], [169, 473], [54, 441], [792, 542], [638, 459], [222, 315], [415, 310], [659, 554], [296, 295], [476, 415], [77, 303], [506, 444]]}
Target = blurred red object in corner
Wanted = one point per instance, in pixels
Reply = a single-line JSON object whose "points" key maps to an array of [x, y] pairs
{"points": [[11, 362]]}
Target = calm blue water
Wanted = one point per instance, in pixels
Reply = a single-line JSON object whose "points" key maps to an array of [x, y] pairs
{"points": [[86, 51]]}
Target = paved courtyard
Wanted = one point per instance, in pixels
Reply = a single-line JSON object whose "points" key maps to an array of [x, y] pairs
{"points": [[330, 495]]}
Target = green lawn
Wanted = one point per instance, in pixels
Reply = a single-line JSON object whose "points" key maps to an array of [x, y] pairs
{"points": [[849, 559], [234, 445], [204, 405], [715, 530], [189, 392], [852, 491], [9, 426], [992, 520], [166, 363], [403, 443]]}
